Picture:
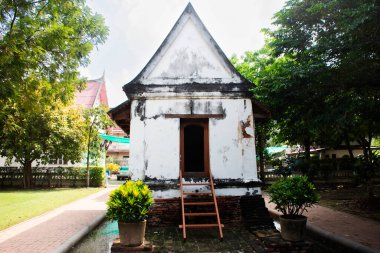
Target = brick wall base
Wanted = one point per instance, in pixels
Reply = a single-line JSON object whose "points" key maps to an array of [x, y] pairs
{"points": [[248, 211]]}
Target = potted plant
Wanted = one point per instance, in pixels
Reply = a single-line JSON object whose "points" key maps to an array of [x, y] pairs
{"points": [[292, 196], [129, 205]]}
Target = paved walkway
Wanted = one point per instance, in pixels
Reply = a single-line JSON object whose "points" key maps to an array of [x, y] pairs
{"points": [[56, 230], [355, 228]]}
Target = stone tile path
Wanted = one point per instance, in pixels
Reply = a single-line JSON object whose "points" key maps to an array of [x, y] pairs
{"points": [[55, 230], [236, 239], [352, 227]]}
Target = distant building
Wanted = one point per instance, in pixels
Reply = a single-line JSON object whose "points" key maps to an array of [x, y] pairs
{"points": [[326, 152], [94, 94], [118, 152]]}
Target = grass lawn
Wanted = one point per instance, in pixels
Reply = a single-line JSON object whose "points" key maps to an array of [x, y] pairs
{"points": [[19, 205]]}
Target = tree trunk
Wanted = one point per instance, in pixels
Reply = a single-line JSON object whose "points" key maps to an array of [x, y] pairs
{"points": [[88, 166], [307, 144], [368, 166], [349, 148], [27, 175], [88, 157]]}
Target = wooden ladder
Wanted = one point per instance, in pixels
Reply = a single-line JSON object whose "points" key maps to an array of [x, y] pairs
{"points": [[199, 214]]}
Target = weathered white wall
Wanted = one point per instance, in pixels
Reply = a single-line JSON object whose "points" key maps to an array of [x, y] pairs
{"points": [[155, 140], [189, 54]]}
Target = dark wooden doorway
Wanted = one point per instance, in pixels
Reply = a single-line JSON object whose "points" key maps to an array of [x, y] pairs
{"points": [[194, 145]]}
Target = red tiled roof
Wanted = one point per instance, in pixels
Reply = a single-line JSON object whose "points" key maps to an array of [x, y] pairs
{"points": [[95, 90], [103, 95]]}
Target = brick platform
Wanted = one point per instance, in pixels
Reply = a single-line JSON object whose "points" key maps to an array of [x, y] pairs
{"points": [[249, 211]]}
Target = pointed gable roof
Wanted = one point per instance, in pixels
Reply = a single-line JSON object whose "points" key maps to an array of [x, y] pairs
{"points": [[188, 56], [189, 63]]}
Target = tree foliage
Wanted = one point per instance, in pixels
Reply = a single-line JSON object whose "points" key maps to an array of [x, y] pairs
{"points": [[42, 44], [35, 131], [97, 121], [318, 72]]}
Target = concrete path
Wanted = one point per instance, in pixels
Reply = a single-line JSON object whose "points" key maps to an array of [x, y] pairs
{"points": [[351, 227], [57, 230]]}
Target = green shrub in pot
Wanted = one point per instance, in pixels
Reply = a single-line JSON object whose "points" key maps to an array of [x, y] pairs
{"points": [[292, 196], [129, 205]]}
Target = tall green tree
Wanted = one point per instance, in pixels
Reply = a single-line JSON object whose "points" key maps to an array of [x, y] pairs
{"points": [[36, 132], [42, 44], [291, 90], [97, 121], [345, 35], [319, 72]]}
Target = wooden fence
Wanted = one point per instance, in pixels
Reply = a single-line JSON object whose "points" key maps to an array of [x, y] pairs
{"points": [[339, 176], [46, 177]]}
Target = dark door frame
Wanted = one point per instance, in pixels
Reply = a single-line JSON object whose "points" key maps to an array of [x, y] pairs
{"points": [[203, 122]]}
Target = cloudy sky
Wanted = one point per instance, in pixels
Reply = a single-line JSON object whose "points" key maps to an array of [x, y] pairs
{"points": [[138, 27]]}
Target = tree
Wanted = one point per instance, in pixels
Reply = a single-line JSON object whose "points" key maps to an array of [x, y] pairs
{"points": [[45, 42], [291, 90], [318, 72], [36, 131], [345, 35], [96, 121], [42, 44]]}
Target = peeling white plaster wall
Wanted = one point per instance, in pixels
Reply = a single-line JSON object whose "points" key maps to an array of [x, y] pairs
{"points": [[229, 150], [155, 140]]}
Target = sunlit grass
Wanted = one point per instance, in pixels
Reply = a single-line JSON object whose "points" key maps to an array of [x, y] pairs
{"points": [[19, 205]]}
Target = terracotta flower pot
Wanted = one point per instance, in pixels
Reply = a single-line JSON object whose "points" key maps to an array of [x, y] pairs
{"points": [[132, 234], [293, 228]]}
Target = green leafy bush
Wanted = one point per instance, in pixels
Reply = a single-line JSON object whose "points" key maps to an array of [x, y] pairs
{"points": [[130, 202], [97, 175], [292, 195]]}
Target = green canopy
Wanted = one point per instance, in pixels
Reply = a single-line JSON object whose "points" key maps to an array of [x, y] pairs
{"points": [[115, 138]]}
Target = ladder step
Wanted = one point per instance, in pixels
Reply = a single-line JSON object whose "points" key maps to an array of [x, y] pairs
{"points": [[201, 225], [197, 193], [198, 203], [190, 184], [200, 214]]}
